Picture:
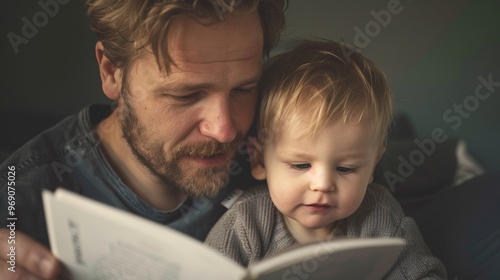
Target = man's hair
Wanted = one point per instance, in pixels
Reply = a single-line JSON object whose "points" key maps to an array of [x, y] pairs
{"points": [[127, 26], [321, 82]]}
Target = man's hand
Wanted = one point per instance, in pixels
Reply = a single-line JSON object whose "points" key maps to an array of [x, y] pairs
{"points": [[32, 259]]}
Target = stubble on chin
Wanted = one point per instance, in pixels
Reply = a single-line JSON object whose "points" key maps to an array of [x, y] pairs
{"points": [[203, 181]]}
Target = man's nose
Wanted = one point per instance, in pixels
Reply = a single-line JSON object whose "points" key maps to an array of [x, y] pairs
{"points": [[218, 121]]}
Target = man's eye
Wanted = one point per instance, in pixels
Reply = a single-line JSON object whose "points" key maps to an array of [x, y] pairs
{"points": [[345, 170], [187, 98], [301, 166]]}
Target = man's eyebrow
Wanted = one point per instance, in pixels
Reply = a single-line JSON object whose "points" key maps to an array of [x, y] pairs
{"points": [[250, 81], [183, 87], [176, 87]]}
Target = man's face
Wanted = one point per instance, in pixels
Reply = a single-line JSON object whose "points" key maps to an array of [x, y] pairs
{"points": [[185, 126]]}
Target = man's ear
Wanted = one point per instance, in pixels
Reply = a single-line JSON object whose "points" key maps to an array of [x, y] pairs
{"points": [[256, 159], [110, 75]]}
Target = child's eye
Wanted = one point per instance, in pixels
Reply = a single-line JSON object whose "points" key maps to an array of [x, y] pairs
{"points": [[301, 166], [345, 170]]}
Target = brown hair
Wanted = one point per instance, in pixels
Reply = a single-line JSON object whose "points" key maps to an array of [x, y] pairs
{"points": [[127, 26], [323, 81]]}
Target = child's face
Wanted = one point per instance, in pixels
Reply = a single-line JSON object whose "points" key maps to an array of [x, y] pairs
{"points": [[318, 181]]}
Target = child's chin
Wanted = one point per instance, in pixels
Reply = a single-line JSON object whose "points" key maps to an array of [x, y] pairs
{"points": [[318, 225]]}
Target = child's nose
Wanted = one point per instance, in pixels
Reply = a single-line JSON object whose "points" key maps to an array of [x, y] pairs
{"points": [[323, 181]]}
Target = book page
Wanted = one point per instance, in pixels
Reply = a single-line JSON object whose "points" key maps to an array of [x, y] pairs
{"points": [[361, 258], [96, 241]]}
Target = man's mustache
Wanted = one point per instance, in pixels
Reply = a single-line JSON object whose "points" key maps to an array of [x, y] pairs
{"points": [[206, 149]]}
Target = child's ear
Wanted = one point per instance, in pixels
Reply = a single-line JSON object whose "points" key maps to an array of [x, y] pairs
{"points": [[380, 153], [377, 159], [256, 160]]}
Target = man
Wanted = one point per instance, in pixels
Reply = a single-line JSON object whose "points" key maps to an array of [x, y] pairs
{"points": [[184, 76]]}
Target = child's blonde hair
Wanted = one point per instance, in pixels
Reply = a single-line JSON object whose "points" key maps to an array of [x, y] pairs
{"points": [[322, 82]]}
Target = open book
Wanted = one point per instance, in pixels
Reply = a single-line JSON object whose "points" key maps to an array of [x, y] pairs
{"points": [[95, 241]]}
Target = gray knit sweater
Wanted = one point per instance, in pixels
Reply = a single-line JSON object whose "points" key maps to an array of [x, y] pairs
{"points": [[254, 229]]}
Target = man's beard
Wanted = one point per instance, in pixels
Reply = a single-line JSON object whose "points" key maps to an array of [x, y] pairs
{"points": [[191, 181]]}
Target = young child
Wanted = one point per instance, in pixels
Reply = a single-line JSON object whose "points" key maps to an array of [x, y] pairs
{"points": [[323, 123]]}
